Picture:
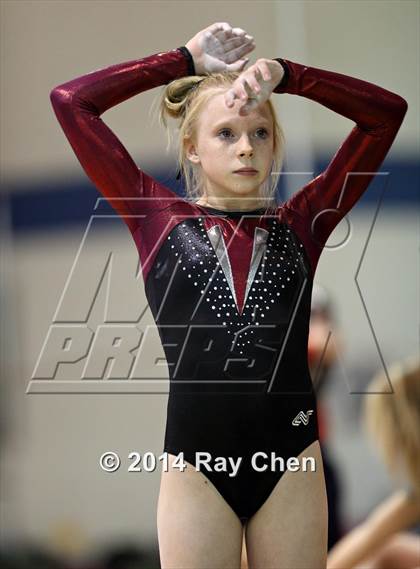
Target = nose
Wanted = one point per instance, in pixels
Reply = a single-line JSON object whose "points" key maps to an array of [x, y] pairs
{"points": [[244, 147]]}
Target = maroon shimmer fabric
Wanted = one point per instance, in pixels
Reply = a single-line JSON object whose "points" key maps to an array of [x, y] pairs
{"points": [[313, 211]]}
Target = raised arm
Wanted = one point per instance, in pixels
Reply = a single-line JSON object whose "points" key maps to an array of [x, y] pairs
{"points": [[79, 104], [378, 114], [399, 512]]}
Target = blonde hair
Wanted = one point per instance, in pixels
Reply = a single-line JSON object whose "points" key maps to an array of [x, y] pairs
{"points": [[392, 417], [184, 99]]}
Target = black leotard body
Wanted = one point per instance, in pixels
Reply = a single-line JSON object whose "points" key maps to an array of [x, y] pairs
{"points": [[231, 291]]}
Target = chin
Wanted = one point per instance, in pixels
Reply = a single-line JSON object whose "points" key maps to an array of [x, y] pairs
{"points": [[245, 192], [246, 187]]}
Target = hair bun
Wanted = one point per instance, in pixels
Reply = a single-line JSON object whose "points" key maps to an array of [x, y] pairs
{"points": [[177, 93]]}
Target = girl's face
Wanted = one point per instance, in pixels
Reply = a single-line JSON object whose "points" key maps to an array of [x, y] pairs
{"points": [[227, 141]]}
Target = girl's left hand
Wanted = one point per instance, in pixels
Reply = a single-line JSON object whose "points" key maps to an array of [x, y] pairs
{"points": [[254, 85], [220, 47]]}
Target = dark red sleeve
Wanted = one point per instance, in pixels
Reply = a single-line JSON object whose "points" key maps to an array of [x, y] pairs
{"points": [[79, 104], [378, 113]]}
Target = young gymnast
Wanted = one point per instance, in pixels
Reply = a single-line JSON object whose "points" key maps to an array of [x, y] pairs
{"points": [[392, 417], [228, 275]]}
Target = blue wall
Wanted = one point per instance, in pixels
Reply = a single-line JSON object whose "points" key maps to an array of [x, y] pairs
{"points": [[58, 203]]}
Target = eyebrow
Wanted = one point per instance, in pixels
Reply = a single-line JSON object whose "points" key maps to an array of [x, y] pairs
{"points": [[229, 122]]}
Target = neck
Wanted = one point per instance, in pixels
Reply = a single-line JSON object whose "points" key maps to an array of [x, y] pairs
{"points": [[233, 203]]}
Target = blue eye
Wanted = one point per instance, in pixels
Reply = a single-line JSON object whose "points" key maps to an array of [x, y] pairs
{"points": [[224, 130], [227, 133], [263, 131]]}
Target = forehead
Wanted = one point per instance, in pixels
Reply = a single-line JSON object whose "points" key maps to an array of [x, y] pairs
{"points": [[215, 112]]}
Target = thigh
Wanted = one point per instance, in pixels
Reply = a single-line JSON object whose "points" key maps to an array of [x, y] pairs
{"points": [[291, 527], [197, 529], [244, 558]]}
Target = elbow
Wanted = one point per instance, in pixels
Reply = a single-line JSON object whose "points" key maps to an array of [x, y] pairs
{"points": [[67, 99], [62, 102], [60, 96], [404, 104], [400, 108], [400, 112], [396, 113]]}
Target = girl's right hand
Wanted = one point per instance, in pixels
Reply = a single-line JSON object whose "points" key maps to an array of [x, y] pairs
{"points": [[254, 86], [220, 47]]}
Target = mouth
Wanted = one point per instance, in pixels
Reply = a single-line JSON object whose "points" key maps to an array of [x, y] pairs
{"points": [[246, 171]]}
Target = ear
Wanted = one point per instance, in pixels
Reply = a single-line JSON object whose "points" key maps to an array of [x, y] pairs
{"points": [[191, 151]]}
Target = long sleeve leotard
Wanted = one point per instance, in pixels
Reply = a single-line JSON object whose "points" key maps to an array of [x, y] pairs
{"points": [[231, 293]]}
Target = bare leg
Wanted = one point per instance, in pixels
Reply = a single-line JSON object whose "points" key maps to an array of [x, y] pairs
{"points": [[244, 558], [197, 529], [291, 527]]}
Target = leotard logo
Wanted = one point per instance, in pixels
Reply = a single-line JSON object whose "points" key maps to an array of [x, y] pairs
{"points": [[302, 417]]}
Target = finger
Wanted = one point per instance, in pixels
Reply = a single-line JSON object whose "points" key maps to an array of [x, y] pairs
{"points": [[219, 30], [218, 26], [220, 36], [238, 65], [252, 81], [238, 31], [243, 89], [237, 91], [239, 52], [235, 49], [226, 27], [223, 31], [234, 42], [240, 90], [230, 97], [264, 70]]}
